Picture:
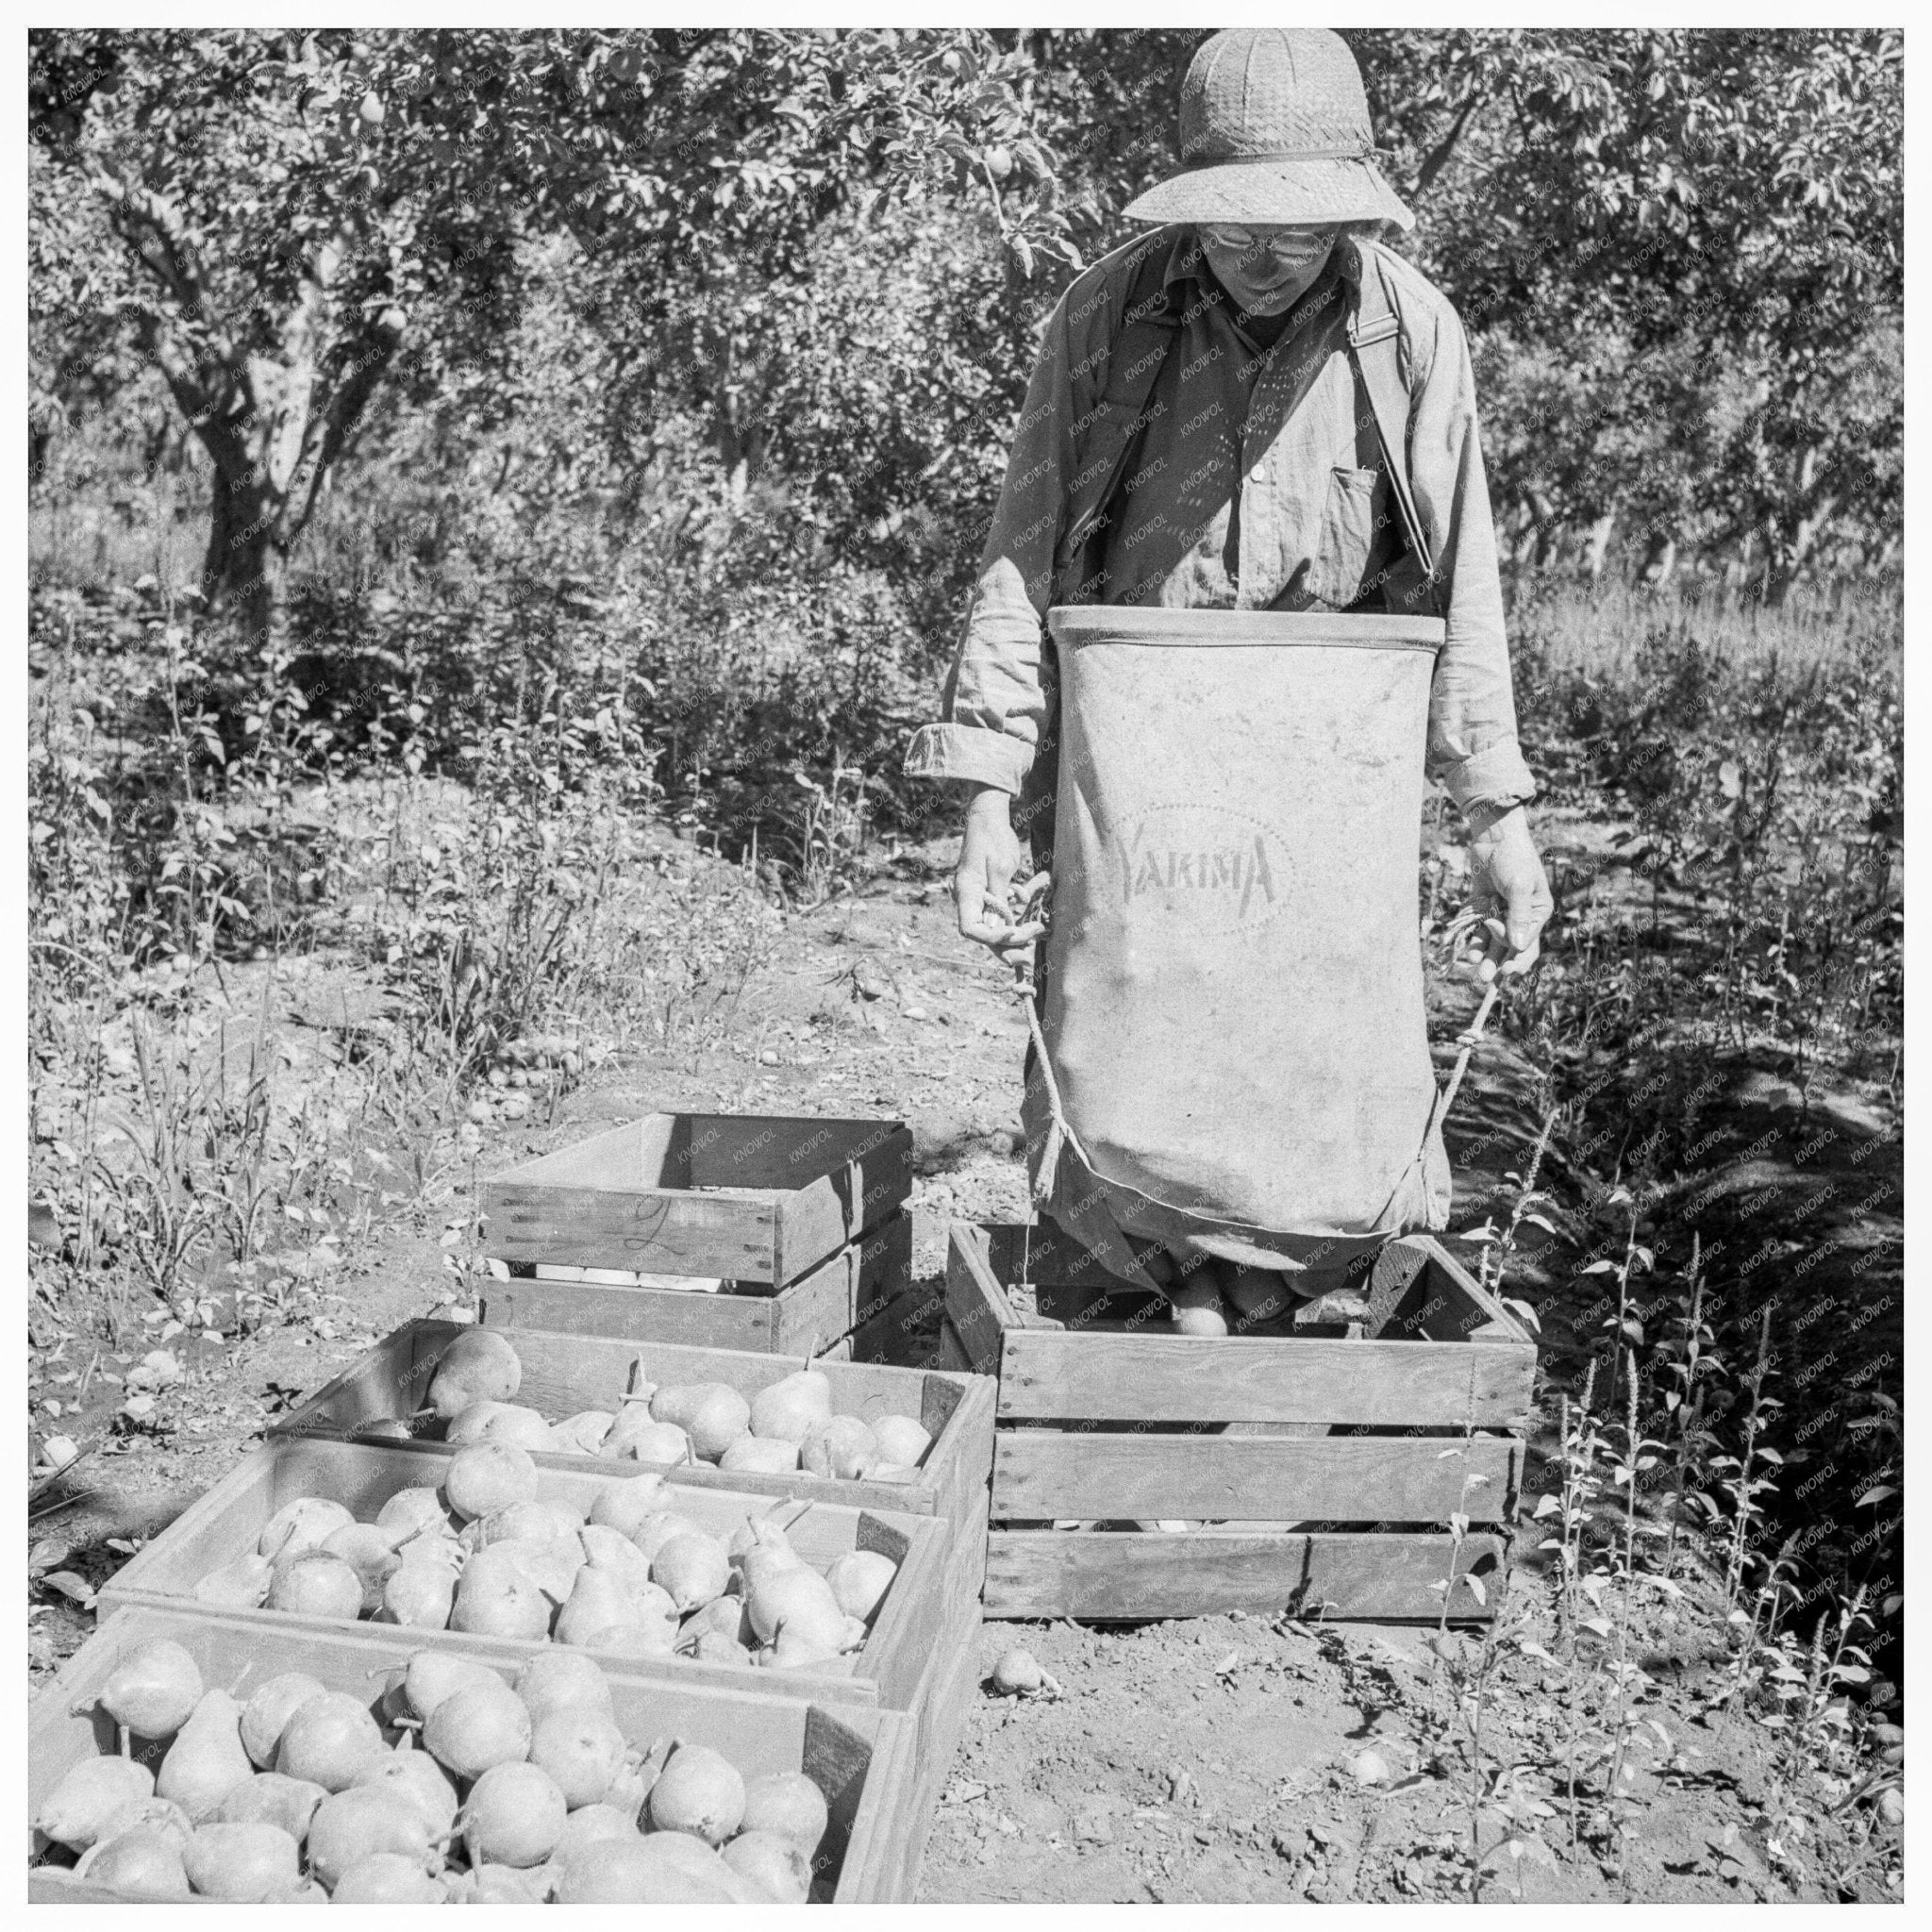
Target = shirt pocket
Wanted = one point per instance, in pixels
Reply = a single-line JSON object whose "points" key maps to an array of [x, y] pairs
{"points": [[1347, 534]]}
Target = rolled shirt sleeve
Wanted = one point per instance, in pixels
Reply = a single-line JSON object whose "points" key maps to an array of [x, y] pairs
{"points": [[1473, 748], [995, 705]]}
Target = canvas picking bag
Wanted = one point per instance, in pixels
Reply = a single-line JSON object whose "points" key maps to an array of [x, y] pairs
{"points": [[1234, 1014]]}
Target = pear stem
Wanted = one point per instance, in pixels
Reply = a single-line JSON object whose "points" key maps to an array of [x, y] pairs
{"points": [[126, 1741]]}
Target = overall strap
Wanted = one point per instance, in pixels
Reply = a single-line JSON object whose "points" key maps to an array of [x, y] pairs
{"points": [[1373, 339], [1105, 445]]}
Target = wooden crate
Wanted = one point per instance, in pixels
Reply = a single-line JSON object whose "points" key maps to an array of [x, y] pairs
{"points": [[566, 1374], [820, 1310], [747, 1198], [1339, 1505], [863, 1759], [898, 1668]]}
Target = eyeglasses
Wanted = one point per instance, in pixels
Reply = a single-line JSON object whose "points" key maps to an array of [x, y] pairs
{"points": [[1278, 239]]}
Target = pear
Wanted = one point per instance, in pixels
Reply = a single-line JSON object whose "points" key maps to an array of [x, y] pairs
{"points": [[504, 1885], [724, 1616], [509, 1422], [582, 1434], [410, 1510], [901, 1440], [611, 1550], [500, 1598], [789, 1409], [522, 1523], [759, 1569], [419, 1595], [513, 1816], [597, 1600], [773, 1863], [478, 1728], [634, 1639], [644, 1870], [358, 1822], [658, 1442], [587, 1823], [808, 1636], [330, 1741], [761, 1456], [153, 1690], [242, 1862], [552, 1565], [368, 1551], [469, 1424], [317, 1585], [142, 1864], [692, 1568], [719, 1648], [654, 1531], [843, 1447], [488, 1475], [431, 1675], [270, 1797], [387, 1428], [582, 1751], [788, 1803], [561, 1680], [415, 1777], [713, 1414], [388, 1878], [772, 1595], [1197, 1307], [623, 1506], [266, 1715], [478, 1364], [761, 1533], [304, 1524], [698, 1792], [901, 1472], [78, 1809], [859, 1580], [161, 1815], [304, 1893], [205, 1761], [242, 1584]]}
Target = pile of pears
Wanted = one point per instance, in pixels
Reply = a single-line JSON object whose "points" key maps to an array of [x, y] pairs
{"points": [[455, 1787], [482, 1554], [788, 1427]]}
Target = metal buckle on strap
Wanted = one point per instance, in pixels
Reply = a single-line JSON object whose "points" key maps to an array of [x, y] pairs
{"points": [[1361, 335]]}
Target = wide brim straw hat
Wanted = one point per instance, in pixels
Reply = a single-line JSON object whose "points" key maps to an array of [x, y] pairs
{"points": [[1275, 130]]}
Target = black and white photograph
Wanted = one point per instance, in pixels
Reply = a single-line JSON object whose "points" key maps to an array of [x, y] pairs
{"points": [[965, 965]]}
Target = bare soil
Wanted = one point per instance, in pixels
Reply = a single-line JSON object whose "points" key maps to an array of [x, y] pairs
{"points": [[1204, 1760]]}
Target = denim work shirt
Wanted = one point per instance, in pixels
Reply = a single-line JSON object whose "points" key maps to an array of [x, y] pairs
{"points": [[1257, 485]]}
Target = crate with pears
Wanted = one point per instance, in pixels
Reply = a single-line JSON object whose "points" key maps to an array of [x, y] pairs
{"points": [[1357, 1457], [196, 1758], [713, 1230]]}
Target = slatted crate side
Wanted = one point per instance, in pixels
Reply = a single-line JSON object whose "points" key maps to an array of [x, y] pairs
{"points": [[1100, 1423], [1103, 1575], [564, 1374], [859, 1756], [786, 1193], [824, 1304], [227, 1522]]}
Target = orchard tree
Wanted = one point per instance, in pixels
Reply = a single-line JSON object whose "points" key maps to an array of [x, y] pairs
{"points": [[307, 220]]}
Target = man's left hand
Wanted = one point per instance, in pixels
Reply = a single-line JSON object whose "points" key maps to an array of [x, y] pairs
{"points": [[1511, 892]]}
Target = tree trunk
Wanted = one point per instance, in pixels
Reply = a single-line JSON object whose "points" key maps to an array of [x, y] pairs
{"points": [[244, 570], [1661, 563], [1597, 546]]}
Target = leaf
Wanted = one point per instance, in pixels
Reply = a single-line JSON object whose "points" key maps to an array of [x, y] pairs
{"points": [[1876, 1495]]}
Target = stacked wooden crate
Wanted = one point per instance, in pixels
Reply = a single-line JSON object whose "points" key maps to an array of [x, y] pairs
{"points": [[799, 1226]]}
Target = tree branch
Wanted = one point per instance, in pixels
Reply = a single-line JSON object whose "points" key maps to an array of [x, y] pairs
{"points": [[1438, 156]]}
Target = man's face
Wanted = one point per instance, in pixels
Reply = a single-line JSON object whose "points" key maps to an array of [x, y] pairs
{"points": [[1265, 268]]}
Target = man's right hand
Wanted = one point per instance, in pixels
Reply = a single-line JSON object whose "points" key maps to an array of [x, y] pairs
{"points": [[988, 857]]}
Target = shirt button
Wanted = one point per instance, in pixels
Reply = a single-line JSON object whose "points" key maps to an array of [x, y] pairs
{"points": [[1259, 473]]}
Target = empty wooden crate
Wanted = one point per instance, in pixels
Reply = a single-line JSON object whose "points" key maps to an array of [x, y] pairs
{"points": [[743, 1198], [1353, 1471], [819, 1311], [863, 1759]]}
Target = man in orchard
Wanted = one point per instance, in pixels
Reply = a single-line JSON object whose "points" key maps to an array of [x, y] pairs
{"points": [[1259, 407]]}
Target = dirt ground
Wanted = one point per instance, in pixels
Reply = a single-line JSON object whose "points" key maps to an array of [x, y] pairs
{"points": [[1194, 1760]]}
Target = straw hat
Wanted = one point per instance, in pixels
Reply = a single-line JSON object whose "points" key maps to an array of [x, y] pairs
{"points": [[1274, 129]]}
